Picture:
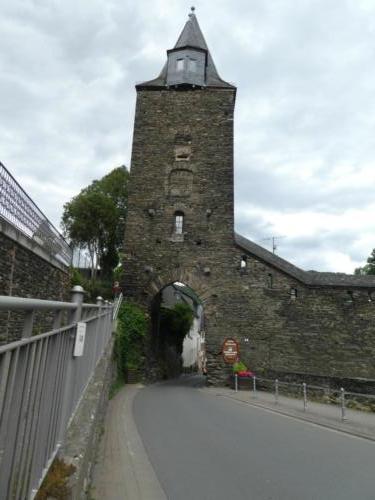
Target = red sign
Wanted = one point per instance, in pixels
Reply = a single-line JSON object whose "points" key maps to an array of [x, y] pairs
{"points": [[230, 351]]}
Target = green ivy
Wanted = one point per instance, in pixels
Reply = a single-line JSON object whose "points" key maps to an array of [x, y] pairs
{"points": [[133, 326]]}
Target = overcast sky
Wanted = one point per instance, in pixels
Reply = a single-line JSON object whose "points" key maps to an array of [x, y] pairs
{"points": [[305, 110]]}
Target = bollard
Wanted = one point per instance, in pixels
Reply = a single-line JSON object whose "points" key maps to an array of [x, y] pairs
{"points": [[236, 382], [276, 391], [342, 400], [304, 396], [254, 386]]}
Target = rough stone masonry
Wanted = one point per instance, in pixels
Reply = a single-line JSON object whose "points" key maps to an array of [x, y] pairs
{"points": [[180, 227]]}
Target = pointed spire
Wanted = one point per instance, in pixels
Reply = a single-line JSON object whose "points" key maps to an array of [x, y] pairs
{"points": [[190, 46]]}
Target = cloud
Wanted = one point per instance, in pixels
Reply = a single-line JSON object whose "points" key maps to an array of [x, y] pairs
{"points": [[304, 122]]}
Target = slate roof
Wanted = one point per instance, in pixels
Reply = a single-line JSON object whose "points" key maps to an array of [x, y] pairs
{"points": [[191, 36], [311, 278]]}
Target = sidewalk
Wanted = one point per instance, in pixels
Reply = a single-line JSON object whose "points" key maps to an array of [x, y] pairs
{"points": [[123, 470], [357, 423]]}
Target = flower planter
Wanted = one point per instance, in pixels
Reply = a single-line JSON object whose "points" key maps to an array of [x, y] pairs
{"points": [[243, 383]]}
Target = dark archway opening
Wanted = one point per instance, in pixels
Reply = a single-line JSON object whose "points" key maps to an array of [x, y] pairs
{"points": [[178, 339]]}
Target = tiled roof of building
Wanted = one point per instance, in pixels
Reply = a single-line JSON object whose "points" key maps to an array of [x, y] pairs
{"points": [[191, 36], [312, 278]]}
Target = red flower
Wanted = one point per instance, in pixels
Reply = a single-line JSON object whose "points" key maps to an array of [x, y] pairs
{"points": [[246, 373]]}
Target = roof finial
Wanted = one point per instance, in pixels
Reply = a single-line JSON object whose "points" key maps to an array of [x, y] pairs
{"points": [[192, 11]]}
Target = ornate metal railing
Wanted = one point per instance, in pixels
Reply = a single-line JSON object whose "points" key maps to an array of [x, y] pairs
{"points": [[18, 209]]}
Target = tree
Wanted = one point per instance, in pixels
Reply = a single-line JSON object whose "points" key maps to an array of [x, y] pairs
{"points": [[368, 268], [95, 219], [175, 324]]}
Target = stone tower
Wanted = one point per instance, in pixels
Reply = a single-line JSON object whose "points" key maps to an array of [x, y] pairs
{"points": [[180, 220], [288, 322]]}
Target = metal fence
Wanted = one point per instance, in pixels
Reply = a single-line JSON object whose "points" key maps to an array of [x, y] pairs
{"points": [[308, 392], [42, 379], [18, 209]]}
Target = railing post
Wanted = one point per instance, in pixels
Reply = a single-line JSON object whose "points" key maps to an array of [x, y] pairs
{"points": [[236, 382], [304, 387], [99, 332], [77, 297], [342, 401], [77, 293], [254, 386], [276, 391]]}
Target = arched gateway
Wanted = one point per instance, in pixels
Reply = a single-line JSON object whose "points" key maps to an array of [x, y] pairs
{"points": [[180, 228]]}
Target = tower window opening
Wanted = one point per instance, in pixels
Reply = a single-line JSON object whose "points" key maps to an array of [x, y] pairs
{"points": [[293, 293], [178, 222], [349, 297], [270, 280], [244, 262], [180, 64]]}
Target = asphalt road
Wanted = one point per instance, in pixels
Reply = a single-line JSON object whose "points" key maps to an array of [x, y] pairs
{"points": [[206, 447]]}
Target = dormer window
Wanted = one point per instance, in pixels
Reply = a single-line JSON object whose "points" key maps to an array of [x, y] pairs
{"points": [[178, 222], [192, 65], [186, 66]]}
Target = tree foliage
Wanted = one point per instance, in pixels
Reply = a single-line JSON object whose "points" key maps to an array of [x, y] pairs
{"points": [[368, 268], [175, 324], [95, 218]]}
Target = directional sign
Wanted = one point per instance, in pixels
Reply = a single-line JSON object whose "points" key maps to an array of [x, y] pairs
{"points": [[80, 339], [230, 351]]}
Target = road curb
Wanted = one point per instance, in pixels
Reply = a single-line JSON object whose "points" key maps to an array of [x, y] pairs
{"points": [[305, 418]]}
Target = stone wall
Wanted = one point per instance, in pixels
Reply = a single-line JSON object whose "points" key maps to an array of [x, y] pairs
{"points": [[86, 428], [322, 332], [25, 272], [182, 161]]}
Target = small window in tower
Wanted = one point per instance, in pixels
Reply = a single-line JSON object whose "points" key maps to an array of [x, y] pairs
{"points": [[192, 65], [180, 64], [178, 222], [349, 298], [243, 262], [270, 280]]}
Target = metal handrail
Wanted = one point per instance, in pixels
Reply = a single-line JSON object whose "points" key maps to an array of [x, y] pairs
{"points": [[17, 208], [340, 394], [43, 378], [25, 304]]}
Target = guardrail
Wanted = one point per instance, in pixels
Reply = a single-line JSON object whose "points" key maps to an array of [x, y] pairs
{"points": [[19, 210], [117, 306], [340, 397], [42, 380]]}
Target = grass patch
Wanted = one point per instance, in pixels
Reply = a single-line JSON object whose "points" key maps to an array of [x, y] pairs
{"points": [[55, 483]]}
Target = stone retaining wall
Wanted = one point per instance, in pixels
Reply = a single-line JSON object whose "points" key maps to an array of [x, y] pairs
{"points": [[26, 271], [86, 428]]}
